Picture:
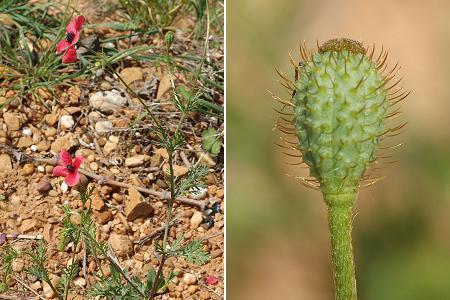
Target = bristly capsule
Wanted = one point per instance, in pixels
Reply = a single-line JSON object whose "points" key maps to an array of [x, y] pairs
{"points": [[341, 97]]}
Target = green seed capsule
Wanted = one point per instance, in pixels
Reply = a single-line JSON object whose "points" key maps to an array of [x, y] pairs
{"points": [[340, 103], [340, 100]]}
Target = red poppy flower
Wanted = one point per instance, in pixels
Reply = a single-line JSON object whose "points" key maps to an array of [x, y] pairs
{"points": [[72, 37], [211, 280], [68, 168]]}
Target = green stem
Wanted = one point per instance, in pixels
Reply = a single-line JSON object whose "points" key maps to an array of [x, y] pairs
{"points": [[154, 287], [340, 224]]}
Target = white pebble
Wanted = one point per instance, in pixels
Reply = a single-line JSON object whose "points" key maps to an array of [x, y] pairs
{"points": [[27, 131], [198, 194], [41, 169], [189, 279], [34, 148], [104, 126], [67, 122], [114, 139], [64, 187]]}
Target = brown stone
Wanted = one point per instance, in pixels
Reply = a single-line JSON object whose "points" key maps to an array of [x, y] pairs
{"points": [[49, 132], [106, 190], [12, 120], [118, 197], [43, 146], [27, 169], [136, 206], [155, 160], [216, 253], [75, 219], [196, 219], [47, 290], [220, 193], [96, 202], [67, 141], [177, 170], [51, 119], [122, 122], [131, 74], [124, 221], [164, 86], [121, 244], [48, 232], [28, 225], [74, 93], [5, 163], [24, 142], [44, 93], [104, 216], [162, 152], [43, 186]]}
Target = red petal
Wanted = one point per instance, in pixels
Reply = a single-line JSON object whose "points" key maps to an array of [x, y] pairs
{"points": [[212, 280], [77, 161], [70, 56], [72, 179], [76, 37], [62, 46], [64, 157], [60, 171], [79, 23], [75, 24], [71, 26]]}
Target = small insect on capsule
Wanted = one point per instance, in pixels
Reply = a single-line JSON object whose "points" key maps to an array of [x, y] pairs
{"points": [[301, 64]]}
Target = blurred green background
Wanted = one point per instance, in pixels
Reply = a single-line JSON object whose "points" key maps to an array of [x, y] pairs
{"points": [[277, 235]]}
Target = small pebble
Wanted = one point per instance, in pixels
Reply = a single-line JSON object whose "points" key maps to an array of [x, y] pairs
{"points": [[110, 147], [64, 187], [27, 131], [15, 200], [189, 279], [67, 122], [104, 126], [114, 139], [53, 193], [36, 285], [27, 169], [118, 197], [198, 194], [196, 219], [49, 132], [192, 289], [75, 219], [93, 166], [80, 281], [44, 186]]}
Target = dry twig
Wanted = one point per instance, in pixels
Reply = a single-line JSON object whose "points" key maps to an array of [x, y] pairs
{"points": [[163, 195]]}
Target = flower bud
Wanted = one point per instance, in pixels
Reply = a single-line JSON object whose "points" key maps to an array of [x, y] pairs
{"points": [[169, 38]]}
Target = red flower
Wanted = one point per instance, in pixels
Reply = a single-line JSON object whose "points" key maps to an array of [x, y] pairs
{"points": [[72, 37], [68, 168], [211, 280]]}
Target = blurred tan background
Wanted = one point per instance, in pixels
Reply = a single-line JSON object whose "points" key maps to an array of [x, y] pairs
{"points": [[277, 234]]}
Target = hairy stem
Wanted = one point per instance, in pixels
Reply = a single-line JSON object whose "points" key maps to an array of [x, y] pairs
{"points": [[166, 228], [340, 224]]}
